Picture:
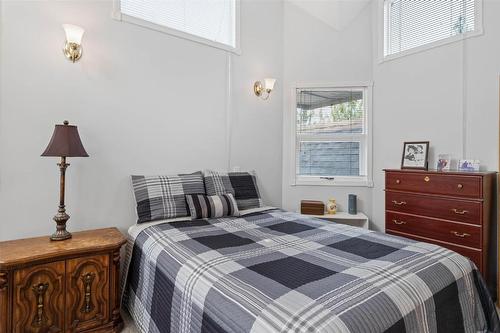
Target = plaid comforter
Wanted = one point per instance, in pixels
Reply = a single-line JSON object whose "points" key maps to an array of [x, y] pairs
{"points": [[278, 271]]}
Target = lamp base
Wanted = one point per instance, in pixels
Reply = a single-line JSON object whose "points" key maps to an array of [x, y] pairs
{"points": [[61, 233]]}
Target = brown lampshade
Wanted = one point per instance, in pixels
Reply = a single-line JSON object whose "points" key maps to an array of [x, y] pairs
{"points": [[65, 142]]}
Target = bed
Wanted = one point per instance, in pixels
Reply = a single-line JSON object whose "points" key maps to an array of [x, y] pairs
{"points": [[278, 271]]}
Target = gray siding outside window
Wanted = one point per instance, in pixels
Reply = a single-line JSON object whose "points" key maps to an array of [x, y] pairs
{"points": [[329, 159]]}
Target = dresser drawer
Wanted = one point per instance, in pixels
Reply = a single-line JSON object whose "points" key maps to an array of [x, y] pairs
{"points": [[472, 254], [449, 209], [453, 185], [456, 233]]}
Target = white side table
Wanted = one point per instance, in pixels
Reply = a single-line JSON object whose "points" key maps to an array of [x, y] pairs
{"points": [[356, 220]]}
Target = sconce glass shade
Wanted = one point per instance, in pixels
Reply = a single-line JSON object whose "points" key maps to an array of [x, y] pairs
{"points": [[74, 33], [269, 84]]}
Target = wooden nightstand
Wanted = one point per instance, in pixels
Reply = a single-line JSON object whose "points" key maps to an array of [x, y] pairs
{"points": [[64, 286]]}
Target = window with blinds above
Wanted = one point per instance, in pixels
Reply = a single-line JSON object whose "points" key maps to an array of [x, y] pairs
{"points": [[331, 134], [409, 24], [210, 21]]}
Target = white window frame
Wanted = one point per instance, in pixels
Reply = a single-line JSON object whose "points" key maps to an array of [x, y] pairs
{"points": [[354, 181], [118, 15], [478, 31]]}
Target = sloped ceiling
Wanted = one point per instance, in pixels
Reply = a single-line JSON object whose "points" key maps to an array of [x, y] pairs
{"points": [[336, 13]]}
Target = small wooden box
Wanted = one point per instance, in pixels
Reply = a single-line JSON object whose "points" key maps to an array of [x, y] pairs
{"points": [[312, 207]]}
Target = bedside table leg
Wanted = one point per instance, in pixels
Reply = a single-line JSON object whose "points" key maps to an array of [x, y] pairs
{"points": [[4, 302], [115, 287]]}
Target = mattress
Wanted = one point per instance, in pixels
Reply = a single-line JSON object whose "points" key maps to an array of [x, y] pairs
{"points": [[278, 271]]}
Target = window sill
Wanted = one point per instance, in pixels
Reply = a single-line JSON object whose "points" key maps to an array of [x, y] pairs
{"points": [[337, 182]]}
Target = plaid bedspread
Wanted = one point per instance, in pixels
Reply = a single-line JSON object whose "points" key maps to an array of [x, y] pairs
{"points": [[278, 271]]}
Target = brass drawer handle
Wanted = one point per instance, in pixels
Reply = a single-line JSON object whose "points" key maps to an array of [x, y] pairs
{"points": [[460, 234], [459, 212], [427, 178], [398, 222], [460, 186], [400, 203]]}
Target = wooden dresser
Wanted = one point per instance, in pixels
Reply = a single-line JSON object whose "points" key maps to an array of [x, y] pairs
{"points": [[451, 209], [64, 286]]}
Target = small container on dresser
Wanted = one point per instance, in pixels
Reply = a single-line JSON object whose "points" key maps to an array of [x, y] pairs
{"points": [[450, 209], [66, 286]]}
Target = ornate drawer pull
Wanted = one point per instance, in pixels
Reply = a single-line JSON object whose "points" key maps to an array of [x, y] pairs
{"points": [[459, 212], [39, 290], [426, 178], [398, 222], [460, 186], [400, 203], [87, 280], [460, 234]]}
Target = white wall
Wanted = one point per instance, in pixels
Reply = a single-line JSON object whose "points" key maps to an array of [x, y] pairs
{"points": [[256, 129], [144, 102], [147, 102], [316, 52], [447, 95], [423, 97]]}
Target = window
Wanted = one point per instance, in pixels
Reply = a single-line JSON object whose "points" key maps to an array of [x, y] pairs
{"points": [[332, 136], [411, 25], [212, 22]]}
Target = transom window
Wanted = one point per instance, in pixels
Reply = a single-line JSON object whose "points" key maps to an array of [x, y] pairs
{"points": [[412, 24], [332, 136], [212, 22]]}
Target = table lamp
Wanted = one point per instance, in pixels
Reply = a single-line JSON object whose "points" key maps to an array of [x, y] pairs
{"points": [[65, 142]]}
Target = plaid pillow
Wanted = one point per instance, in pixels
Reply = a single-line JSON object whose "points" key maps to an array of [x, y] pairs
{"points": [[242, 185], [204, 206], [164, 197]]}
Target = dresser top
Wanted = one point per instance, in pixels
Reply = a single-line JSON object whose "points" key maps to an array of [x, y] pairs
{"points": [[17, 252], [449, 172]]}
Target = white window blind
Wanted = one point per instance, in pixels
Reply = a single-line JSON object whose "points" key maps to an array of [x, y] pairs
{"points": [[331, 133], [409, 24], [212, 20]]}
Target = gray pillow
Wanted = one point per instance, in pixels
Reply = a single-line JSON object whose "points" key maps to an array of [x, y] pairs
{"points": [[242, 185], [164, 197]]}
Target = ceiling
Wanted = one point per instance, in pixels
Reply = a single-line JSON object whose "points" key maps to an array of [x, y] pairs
{"points": [[336, 13]]}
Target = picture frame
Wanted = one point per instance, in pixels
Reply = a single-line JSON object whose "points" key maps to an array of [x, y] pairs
{"points": [[443, 162], [415, 155], [469, 165]]}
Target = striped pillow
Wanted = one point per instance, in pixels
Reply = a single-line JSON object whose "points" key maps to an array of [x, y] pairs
{"points": [[204, 206], [164, 197], [243, 185]]}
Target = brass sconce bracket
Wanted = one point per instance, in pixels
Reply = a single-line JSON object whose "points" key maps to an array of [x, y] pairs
{"points": [[259, 90], [72, 51]]}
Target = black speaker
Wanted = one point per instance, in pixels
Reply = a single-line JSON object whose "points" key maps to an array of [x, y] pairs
{"points": [[353, 203]]}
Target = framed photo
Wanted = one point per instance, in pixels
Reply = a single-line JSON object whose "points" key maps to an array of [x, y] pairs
{"points": [[443, 163], [469, 165], [415, 155]]}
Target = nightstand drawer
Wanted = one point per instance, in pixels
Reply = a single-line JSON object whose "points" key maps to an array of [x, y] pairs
{"points": [[466, 211], [87, 292], [434, 183], [456, 233], [39, 299]]}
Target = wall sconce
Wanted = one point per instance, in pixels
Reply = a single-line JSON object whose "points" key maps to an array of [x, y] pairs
{"points": [[73, 46], [268, 86]]}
